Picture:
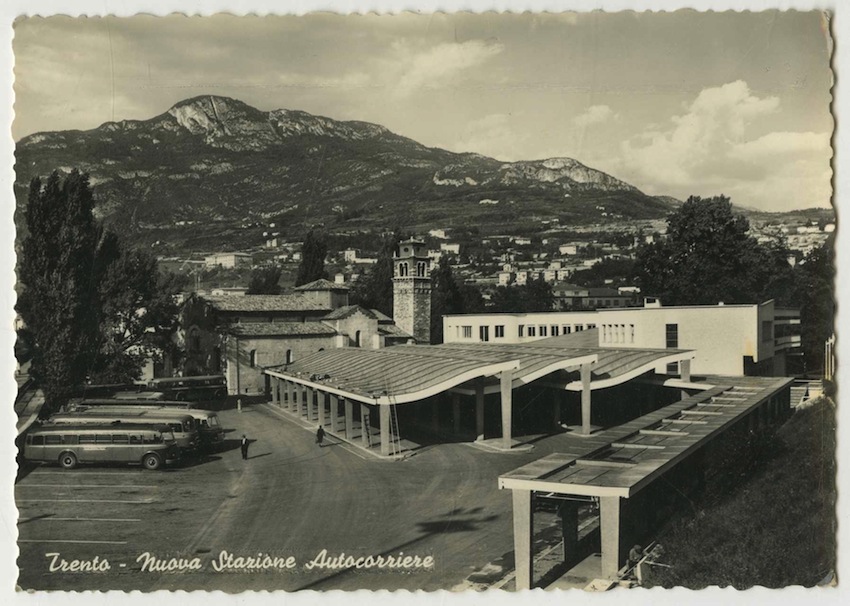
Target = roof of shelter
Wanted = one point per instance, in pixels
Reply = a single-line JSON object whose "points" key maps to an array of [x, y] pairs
{"points": [[321, 284], [624, 459], [281, 329], [406, 373], [265, 303]]}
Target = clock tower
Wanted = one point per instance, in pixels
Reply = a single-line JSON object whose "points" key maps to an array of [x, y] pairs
{"points": [[412, 290]]}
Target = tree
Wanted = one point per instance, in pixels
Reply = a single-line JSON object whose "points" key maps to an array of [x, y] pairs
{"points": [[59, 271], [534, 296], [817, 303], [707, 257], [91, 308], [138, 316], [446, 298], [313, 254], [265, 281], [375, 289]]}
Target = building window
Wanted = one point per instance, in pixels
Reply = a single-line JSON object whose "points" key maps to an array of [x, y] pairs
{"points": [[579, 327], [589, 326], [532, 331], [500, 331], [253, 358], [631, 333], [567, 329], [420, 268], [554, 330], [604, 333], [467, 332], [671, 336], [521, 330], [357, 339], [542, 331], [402, 270], [484, 333], [290, 358]]}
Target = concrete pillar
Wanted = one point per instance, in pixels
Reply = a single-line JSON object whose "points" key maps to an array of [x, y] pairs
{"points": [[479, 411], [306, 400], [320, 401], [385, 429], [568, 512], [506, 378], [290, 396], [523, 524], [275, 391], [685, 370], [435, 413], [609, 529], [456, 413], [585, 399], [556, 407], [334, 400], [364, 426], [349, 419]]}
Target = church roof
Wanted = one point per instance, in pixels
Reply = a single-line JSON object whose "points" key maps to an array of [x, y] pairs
{"points": [[321, 284], [340, 313], [264, 303], [281, 329]]}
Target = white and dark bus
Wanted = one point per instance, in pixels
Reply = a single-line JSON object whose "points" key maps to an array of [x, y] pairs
{"points": [[210, 430], [150, 446], [180, 421]]}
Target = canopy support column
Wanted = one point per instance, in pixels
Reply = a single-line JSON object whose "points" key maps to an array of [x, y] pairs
{"points": [[523, 526], [609, 528], [506, 378], [585, 399], [384, 412], [479, 411]]}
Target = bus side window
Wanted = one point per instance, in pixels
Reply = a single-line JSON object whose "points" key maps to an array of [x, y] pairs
{"points": [[135, 439], [52, 439], [38, 440], [87, 439], [70, 439], [103, 439], [120, 438], [29, 439]]}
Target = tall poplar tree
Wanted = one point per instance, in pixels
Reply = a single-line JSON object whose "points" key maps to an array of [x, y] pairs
{"points": [[313, 254], [59, 270]]}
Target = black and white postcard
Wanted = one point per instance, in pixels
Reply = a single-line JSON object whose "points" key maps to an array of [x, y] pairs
{"points": [[462, 301]]}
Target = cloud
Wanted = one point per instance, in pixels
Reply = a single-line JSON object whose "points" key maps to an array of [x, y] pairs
{"points": [[495, 135], [706, 151], [594, 115], [439, 66]]}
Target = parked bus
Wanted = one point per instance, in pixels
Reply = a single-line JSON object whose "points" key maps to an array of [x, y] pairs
{"points": [[191, 389], [210, 430], [181, 423], [134, 444]]}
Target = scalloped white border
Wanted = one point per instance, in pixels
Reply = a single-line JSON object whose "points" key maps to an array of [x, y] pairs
{"points": [[8, 515]]}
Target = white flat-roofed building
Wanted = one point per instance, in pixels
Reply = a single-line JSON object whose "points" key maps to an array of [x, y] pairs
{"points": [[229, 260], [733, 340]]}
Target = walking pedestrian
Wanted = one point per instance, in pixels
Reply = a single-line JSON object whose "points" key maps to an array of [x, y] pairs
{"points": [[320, 435], [245, 443]]}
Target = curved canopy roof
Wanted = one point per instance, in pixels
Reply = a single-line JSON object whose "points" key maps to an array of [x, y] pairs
{"points": [[407, 373]]}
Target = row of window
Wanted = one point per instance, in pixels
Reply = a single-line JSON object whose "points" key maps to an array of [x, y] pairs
{"points": [[542, 330], [404, 269], [618, 333], [56, 439]]}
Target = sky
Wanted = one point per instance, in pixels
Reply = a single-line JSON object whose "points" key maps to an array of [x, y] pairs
{"points": [[682, 103]]}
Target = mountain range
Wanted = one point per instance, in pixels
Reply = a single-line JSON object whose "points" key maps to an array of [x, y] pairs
{"points": [[211, 172]]}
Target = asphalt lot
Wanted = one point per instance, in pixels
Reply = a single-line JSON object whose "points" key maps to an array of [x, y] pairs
{"points": [[291, 499]]}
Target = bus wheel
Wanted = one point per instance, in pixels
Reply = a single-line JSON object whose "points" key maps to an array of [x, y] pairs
{"points": [[151, 461], [68, 460]]}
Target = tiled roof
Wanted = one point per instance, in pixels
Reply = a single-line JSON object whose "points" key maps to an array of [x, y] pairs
{"points": [[321, 284], [391, 330], [281, 329], [382, 317], [340, 313], [265, 303]]}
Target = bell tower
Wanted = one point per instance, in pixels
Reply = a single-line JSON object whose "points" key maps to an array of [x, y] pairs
{"points": [[412, 290]]}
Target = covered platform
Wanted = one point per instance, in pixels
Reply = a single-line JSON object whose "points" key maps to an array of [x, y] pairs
{"points": [[619, 463], [340, 389]]}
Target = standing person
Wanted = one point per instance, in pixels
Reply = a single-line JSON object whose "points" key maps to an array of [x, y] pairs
{"points": [[245, 443], [320, 435]]}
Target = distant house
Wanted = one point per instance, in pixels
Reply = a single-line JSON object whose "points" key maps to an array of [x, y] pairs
{"points": [[450, 247], [233, 291], [228, 260], [440, 234]]}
